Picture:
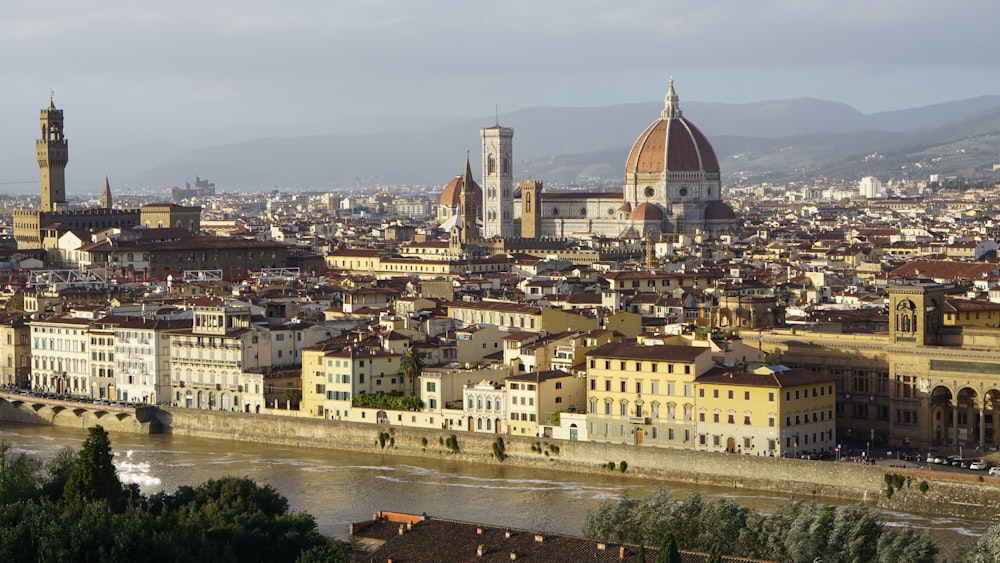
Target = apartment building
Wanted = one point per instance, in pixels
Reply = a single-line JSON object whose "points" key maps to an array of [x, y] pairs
{"points": [[142, 359], [60, 356], [15, 350], [644, 395], [532, 399], [208, 361], [772, 410]]}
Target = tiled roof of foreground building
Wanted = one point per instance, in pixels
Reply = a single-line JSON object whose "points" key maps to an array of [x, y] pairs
{"points": [[406, 538]]}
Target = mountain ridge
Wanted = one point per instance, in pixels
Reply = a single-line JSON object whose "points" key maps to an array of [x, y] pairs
{"points": [[772, 139]]}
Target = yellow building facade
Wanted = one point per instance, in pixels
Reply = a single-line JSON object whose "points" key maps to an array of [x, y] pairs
{"points": [[644, 395], [921, 385], [773, 411]]}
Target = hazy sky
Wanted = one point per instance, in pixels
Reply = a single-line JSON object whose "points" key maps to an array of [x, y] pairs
{"points": [[171, 76]]}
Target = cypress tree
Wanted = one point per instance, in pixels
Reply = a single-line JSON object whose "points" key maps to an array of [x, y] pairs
{"points": [[94, 475]]}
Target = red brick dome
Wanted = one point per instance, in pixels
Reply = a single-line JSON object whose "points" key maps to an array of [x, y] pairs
{"points": [[671, 144], [646, 212], [719, 211], [452, 194]]}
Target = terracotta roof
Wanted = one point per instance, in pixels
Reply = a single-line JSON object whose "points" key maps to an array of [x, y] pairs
{"points": [[629, 351], [671, 144], [451, 196], [407, 538], [787, 378], [646, 212], [719, 211]]}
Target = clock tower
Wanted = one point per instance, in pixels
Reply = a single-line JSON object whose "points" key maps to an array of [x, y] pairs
{"points": [[498, 182]]}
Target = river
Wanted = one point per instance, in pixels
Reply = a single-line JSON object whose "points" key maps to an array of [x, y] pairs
{"points": [[339, 487]]}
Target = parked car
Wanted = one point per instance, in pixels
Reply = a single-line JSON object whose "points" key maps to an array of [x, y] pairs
{"points": [[955, 460], [938, 460], [995, 471], [977, 465]]}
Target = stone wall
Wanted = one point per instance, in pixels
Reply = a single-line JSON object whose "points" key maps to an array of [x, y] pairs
{"points": [[958, 495], [805, 479]]}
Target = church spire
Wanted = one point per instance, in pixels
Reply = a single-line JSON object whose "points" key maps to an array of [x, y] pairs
{"points": [[671, 108], [467, 205], [106, 195]]}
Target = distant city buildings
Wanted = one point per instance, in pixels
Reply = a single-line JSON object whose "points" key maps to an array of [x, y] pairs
{"points": [[675, 312]]}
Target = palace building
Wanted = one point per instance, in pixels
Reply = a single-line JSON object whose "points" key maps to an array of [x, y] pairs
{"points": [[40, 229], [925, 383]]}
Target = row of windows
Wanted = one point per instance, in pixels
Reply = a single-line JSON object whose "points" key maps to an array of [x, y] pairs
{"points": [[793, 441], [747, 442], [654, 432], [654, 387], [816, 392], [654, 409], [522, 416], [490, 404], [59, 344], [653, 366], [23, 339]]}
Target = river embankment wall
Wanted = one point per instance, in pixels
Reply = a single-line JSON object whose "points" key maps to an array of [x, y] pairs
{"points": [[945, 494], [802, 478]]}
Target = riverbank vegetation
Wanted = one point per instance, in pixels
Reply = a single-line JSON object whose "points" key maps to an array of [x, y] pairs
{"points": [[74, 508], [797, 531]]}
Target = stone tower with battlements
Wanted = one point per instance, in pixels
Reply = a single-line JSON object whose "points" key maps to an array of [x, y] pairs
{"points": [[52, 152]]}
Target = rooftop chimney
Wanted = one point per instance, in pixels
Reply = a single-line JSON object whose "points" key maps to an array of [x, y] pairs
{"points": [[479, 530], [513, 555], [621, 552], [601, 546], [479, 551], [401, 529], [539, 538], [507, 534]]}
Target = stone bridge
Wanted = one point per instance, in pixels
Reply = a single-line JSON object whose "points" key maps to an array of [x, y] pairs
{"points": [[32, 409]]}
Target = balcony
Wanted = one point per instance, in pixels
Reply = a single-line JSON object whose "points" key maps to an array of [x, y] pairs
{"points": [[639, 420]]}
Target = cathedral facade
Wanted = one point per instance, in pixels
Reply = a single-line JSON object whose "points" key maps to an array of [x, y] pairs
{"points": [[671, 184]]}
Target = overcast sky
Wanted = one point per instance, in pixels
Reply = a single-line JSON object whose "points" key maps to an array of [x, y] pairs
{"points": [[181, 74]]}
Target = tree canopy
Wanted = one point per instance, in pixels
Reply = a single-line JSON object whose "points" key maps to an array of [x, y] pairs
{"points": [[75, 509], [412, 365], [797, 531]]}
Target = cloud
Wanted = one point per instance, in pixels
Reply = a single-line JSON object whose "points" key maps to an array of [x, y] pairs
{"points": [[191, 72]]}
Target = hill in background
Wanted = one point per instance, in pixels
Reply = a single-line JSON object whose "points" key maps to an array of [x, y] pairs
{"points": [[762, 141]]}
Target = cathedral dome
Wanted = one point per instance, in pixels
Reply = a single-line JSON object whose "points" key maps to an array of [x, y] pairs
{"points": [[719, 211], [646, 212], [671, 144], [452, 195]]}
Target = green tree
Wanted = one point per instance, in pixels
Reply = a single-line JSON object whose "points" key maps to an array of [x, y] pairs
{"points": [[668, 550], [714, 555], [94, 475], [57, 471], [611, 520], [986, 549], [292, 397], [412, 365], [20, 475], [908, 545], [330, 553]]}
